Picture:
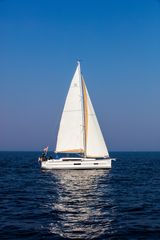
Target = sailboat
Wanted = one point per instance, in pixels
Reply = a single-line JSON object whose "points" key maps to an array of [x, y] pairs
{"points": [[80, 142]]}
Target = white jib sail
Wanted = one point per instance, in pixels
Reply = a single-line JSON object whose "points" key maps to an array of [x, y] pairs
{"points": [[95, 144], [71, 131]]}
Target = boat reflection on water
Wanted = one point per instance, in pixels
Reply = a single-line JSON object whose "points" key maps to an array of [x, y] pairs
{"points": [[83, 205]]}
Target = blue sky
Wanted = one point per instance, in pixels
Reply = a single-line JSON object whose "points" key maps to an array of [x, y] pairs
{"points": [[118, 43]]}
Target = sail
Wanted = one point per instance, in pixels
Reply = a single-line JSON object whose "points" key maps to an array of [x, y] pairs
{"points": [[95, 144], [71, 131]]}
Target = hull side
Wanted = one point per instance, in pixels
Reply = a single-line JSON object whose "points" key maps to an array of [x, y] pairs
{"points": [[77, 164]]}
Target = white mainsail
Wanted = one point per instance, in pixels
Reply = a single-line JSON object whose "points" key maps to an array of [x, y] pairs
{"points": [[79, 130], [71, 131]]}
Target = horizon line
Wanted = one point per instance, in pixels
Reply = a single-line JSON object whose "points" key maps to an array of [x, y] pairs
{"points": [[53, 151]]}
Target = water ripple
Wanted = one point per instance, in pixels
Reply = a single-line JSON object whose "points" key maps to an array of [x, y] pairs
{"points": [[123, 203]]}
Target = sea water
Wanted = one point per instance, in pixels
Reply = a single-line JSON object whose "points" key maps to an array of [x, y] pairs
{"points": [[121, 203]]}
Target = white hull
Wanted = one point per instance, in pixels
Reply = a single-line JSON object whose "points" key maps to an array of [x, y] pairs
{"points": [[76, 163]]}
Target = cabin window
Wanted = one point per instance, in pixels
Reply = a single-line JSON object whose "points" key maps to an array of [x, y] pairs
{"points": [[95, 163], [77, 163], [69, 159]]}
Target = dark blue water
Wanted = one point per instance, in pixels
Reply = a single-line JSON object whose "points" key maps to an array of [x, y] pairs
{"points": [[123, 203]]}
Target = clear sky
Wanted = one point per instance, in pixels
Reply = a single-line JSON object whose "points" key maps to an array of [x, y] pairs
{"points": [[118, 42]]}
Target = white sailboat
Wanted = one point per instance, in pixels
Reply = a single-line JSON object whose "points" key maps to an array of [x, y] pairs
{"points": [[80, 143]]}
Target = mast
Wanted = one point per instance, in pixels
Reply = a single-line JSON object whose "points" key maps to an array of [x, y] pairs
{"points": [[85, 111]]}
